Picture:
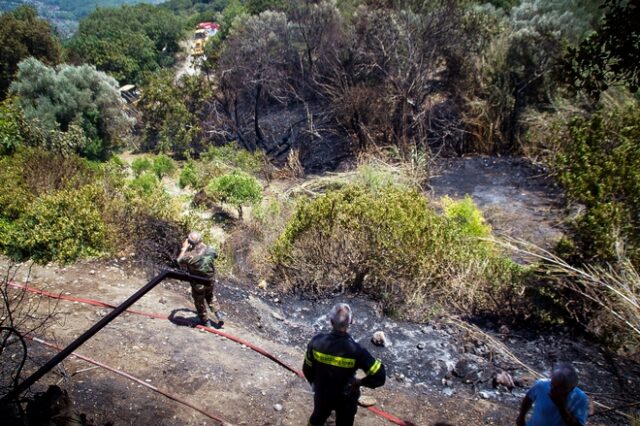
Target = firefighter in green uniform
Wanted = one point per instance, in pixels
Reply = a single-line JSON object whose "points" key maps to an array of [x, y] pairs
{"points": [[330, 365], [198, 259]]}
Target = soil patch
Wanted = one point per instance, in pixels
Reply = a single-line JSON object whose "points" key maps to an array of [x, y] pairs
{"points": [[438, 373]]}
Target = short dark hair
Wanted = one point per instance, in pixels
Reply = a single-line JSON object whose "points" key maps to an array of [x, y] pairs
{"points": [[566, 373]]}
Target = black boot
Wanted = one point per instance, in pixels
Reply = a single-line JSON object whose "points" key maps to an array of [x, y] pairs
{"points": [[207, 323], [220, 316]]}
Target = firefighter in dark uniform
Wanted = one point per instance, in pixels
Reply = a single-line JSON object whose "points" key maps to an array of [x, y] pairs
{"points": [[330, 365]]}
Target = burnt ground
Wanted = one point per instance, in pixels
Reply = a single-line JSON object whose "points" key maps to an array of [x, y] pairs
{"points": [[438, 373], [210, 371], [515, 196]]}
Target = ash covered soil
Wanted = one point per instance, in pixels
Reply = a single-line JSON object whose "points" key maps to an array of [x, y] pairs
{"points": [[516, 197], [439, 373]]}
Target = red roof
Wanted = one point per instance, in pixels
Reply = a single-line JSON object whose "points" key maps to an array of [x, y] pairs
{"points": [[208, 26]]}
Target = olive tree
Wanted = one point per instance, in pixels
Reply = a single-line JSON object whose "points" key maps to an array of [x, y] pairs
{"points": [[74, 100]]}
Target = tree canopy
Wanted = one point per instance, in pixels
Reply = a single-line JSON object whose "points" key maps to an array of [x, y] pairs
{"points": [[611, 55], [76, 101], [23, 34], [128, 41]]}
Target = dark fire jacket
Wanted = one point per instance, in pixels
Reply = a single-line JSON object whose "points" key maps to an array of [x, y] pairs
{"points": [[332, 360]]}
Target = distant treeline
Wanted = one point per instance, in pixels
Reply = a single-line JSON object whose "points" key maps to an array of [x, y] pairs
{"points": [[65, 14]]}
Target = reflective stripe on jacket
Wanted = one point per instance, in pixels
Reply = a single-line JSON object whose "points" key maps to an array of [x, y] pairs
{"points": [[332, 359]]}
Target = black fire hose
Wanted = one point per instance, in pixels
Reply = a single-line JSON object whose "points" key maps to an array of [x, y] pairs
{"points": [[169, 273]]}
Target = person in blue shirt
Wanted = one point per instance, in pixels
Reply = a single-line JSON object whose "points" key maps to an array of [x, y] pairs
{"points": [[556, 402]]}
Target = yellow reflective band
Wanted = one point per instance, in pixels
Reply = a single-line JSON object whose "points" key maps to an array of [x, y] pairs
{"points": [[374, 368], [307, 360], [336, 361]]}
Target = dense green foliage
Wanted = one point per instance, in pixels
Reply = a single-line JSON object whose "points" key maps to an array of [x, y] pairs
{"points": [[128, 41], [61, 226], [392, 244], [232, 156], [61, 208], [12, 126], [236, 188], [65, 14], [47, 202], [172, 113], [220, 160], [23, 34], [163, 166], [79, 109], [600, 168], [140, 165], [611, 55], [189, 175]]}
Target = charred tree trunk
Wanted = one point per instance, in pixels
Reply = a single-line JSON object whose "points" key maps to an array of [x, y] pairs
{"points": [[256, 119]]}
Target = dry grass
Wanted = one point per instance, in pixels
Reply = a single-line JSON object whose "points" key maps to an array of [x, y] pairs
{"points": [[373, 170], [614, 289]]}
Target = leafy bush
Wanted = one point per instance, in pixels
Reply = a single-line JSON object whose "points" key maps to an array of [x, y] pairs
{"points": [[596, 157], [232, 156], [188, 175], [82, 103], [392, 244], [235, 188], [55, 208], [29, 173], [140, 165], [145, 184], [163, 166], [174, 113], [598, 162], [60, 227], [11, 126]]}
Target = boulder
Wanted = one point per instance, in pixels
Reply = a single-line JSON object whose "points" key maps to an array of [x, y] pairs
{"points": [[379, 339], [503, 379], [367, 401]]}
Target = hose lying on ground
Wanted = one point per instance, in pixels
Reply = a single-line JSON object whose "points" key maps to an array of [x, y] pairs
{"points": [[135, 379], [375, 410]]}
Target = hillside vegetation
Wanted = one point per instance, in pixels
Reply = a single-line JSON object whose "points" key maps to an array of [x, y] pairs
{"points": [[290, 88], [64, 15]]}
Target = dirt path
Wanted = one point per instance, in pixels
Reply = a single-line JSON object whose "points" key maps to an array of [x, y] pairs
{"points": [[186, 62], [244, 387], [210, 371]]}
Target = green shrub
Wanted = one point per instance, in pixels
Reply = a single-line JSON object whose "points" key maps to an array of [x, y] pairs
{"points": [[189, 176], [235, 188], [78, 108], [11, 125], [163, 166], [598, 162], [61, 227], [140, 165], [232, 156], [145, 184], [57, 208], [392, 244], [30, 172]]}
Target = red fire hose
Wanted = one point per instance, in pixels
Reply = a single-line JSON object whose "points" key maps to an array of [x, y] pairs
{"points": [[375, 410], [135, 379]]}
